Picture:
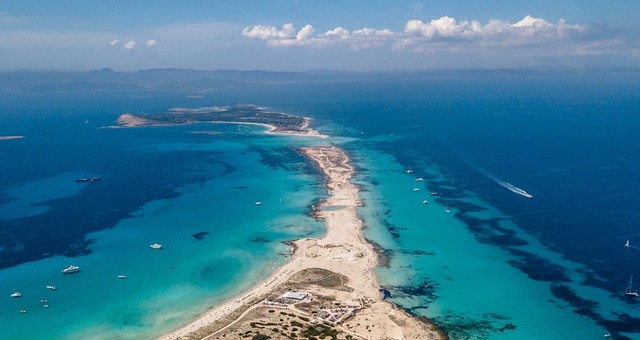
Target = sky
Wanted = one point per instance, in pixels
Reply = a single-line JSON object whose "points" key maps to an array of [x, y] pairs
{"points": [[297, 35]]}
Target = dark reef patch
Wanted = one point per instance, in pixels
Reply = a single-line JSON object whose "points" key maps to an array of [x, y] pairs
{"points": [[259, 239], [414, 252], [580, 305], [426, 290], [463, 327], [199, 236], [384, 255], [537, 268], [392, 229]]}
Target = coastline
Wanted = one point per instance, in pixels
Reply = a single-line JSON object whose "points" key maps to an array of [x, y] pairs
{"points": [[128, 120], [343, 251]]}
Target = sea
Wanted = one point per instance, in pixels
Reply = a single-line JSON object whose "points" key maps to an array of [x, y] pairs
{"points": [[442, 162]]}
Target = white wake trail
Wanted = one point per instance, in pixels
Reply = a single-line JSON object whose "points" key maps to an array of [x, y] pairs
{"points": [[497, 179]]}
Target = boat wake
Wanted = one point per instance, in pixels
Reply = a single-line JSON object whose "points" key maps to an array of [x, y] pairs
{"points": [[628, 245], [496, 179]]}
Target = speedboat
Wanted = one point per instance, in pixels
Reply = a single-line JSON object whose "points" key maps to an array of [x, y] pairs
{"points": [[16, 295], [71, 269], [51, 287], [156, 246], [419, 179], [259, 203], [122, 276], [416, 189], [425, 202]]}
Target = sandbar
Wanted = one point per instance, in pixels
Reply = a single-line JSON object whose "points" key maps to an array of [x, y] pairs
{"points": [[336, 270]]}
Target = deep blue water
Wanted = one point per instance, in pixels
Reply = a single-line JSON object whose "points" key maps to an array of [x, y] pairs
{"points": [[569, 140]]}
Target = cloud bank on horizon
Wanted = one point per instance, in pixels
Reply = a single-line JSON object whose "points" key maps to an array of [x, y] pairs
{"points": [[445, 34], [209, 43]]}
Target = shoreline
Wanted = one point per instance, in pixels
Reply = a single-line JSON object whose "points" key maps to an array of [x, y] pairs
{"points": [[128, 120], [343, 251]]}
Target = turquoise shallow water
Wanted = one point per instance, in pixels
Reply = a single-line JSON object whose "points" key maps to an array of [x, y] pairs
{"points": [[438, 269], [240, 243]]}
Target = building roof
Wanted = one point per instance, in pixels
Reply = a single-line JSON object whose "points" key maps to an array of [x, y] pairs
{"points": [[295, 295]]}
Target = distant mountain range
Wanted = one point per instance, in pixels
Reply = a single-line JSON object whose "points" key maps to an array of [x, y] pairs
{"points": [[170, 79], [154, 79]]}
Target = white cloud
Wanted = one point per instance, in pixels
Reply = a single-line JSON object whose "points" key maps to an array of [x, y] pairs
{"points": [[419, 35], [362, 38], [129, 45], [269, 32], [152, 43]]}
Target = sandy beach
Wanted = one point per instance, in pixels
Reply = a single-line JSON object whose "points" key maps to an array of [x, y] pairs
{"points": [[128, 120], [342, 252]]}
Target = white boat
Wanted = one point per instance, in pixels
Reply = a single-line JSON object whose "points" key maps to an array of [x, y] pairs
{"points": [[156, 246], [627, 244], [71, 269], [409, 170], [446, 209], [419, 179], [425, 202], [23, 311], [43, 301], [122, 276], [16, 295], [259, 203], [416, 189], [628, 292], [51, 287]]}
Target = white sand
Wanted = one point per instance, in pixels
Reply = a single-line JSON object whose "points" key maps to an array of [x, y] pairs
{"points": [[342, 250]]}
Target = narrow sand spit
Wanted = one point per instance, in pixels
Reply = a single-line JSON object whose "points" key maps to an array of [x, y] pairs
{"points": [[343, 250]]}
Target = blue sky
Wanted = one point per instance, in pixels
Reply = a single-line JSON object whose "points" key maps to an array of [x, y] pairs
{"points": [[296, 35]]}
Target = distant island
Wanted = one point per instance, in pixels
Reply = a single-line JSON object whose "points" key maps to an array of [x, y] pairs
{"points": [[277, 122]]}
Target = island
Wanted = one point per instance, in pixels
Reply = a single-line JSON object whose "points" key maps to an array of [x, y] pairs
{"points": [[327, 290], [277, 122]]}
